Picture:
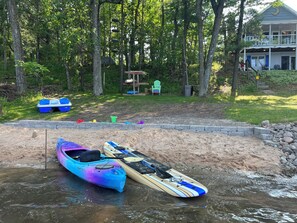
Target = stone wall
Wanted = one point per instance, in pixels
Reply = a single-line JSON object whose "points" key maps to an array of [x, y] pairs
{"points": [[284, 137]]}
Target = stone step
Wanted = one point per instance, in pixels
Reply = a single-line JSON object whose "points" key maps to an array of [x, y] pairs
{"points": [[262, 85]]}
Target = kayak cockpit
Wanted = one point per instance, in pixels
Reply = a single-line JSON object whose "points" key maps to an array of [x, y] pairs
{"points": [[84, 155], [75, 154]]}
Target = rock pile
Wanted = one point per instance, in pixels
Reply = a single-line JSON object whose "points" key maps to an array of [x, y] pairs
{"points": [[284, 137]]}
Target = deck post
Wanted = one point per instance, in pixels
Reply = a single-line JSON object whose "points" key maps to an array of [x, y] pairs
{"points": [[244, 59], [296, 47], [269, 67]]}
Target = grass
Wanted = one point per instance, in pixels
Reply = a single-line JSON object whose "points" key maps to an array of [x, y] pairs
{"points": [[252, 109], [25, 107], [255, 109]]}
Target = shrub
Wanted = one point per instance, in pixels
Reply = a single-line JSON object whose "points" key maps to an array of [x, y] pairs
{"points": [[281, 77], [249, 88]]}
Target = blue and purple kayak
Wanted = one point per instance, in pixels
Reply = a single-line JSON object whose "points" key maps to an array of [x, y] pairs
{"points": [[91, 165]]}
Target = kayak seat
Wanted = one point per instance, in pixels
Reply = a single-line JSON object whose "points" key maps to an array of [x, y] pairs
{"points": [[90, 155], [140, 167], [161, 172]]}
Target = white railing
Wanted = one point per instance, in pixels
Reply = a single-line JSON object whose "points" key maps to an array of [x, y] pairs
{"points": [[272, 40]]}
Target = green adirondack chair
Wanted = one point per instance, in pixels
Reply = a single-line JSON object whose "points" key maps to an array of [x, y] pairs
{"points": [[156, 88]]}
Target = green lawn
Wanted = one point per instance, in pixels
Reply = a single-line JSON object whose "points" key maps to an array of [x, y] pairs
{"points": [[251, 109], [254, 109]]}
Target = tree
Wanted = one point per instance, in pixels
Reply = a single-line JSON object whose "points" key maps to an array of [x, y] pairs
{"points": [[184, 43], [4, 27], [172, 55], [238, 48], [17, 46], [161, 36], [134, 30], [205, 64], [97, 75], [36, 70]]}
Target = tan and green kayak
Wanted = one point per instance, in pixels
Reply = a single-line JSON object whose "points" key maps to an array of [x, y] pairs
{"points": [[152, 173]]}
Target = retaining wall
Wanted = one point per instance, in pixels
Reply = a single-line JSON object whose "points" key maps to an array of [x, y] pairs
{"points": [[259, 132]]}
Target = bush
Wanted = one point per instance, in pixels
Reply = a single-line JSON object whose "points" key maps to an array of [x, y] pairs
{"points": [[249, 88], [281, 77]]}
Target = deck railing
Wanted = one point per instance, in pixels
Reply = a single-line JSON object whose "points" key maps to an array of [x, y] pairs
{"points": [[272, 40]]}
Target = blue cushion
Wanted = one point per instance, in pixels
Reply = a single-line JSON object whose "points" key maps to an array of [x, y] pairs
{"points": [[64, 101], [44, 101]]}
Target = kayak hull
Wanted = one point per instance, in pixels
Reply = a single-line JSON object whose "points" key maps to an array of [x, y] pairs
{"points": [[105, 173], [154, 174]]}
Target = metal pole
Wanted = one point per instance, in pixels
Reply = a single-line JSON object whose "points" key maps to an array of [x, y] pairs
{"points": [[45, 152]]}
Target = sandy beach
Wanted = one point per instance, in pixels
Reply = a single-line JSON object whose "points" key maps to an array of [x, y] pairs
{"points": [[23, 147]]}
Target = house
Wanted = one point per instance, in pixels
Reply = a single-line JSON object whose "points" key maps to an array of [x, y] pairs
{"points": [[277, 47]]}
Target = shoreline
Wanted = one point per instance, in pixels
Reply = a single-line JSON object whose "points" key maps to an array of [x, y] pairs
{"points": [[25, 147]]}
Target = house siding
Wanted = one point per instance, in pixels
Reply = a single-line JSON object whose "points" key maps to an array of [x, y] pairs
{"points": [[275, 58], [279, 38], [283, 15]]}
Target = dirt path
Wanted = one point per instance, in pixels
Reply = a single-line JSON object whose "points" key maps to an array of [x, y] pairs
{"points": [[193, 114]]}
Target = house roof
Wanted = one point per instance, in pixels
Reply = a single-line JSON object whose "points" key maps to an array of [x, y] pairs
{"points": [[283, 14]]}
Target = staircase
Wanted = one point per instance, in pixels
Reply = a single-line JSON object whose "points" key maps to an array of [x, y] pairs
{"points": [[261, 85], [252, 75]]}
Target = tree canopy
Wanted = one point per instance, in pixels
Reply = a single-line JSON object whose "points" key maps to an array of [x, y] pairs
{"points": [[173, 40]]}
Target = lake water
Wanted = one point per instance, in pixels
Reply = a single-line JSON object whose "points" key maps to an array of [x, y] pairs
{"points": [[31, 195]]}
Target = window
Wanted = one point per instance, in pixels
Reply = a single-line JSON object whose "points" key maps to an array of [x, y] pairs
{"points": [[258, 62], [254, 61], [265, 34], [286, 37], [262, 61], [275, 35], [294, 38]]}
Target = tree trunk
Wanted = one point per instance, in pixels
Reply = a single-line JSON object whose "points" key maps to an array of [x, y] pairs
{"points": [[133, 35], [218, 11], [67, 76], [4, 48], [237, 50], [38, 35], [97, 76], [224, 31], [121, 49], [48, 40], [17, 46], [200, 41], [4, 33], [38, 49], [172, 61], [141, 38], [184, 44], [161, 36]]}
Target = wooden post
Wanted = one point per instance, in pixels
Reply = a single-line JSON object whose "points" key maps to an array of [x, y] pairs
{"points": [[45, 150]]}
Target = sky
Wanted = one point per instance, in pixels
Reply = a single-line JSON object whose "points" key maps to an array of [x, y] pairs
{"points": [[291, 3]]}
